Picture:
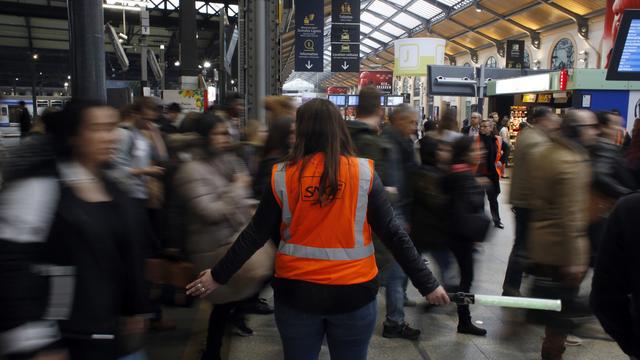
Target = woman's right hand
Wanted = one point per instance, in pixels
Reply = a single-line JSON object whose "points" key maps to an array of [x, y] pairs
{"points": [[203, 286], [438, 297]]}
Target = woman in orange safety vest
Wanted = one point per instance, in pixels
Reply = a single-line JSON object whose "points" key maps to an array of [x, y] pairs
{"points": [[321, 208]]}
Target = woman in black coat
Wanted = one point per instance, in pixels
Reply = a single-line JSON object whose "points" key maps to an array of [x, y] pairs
{"points": [[91, 235], [468, 223]]}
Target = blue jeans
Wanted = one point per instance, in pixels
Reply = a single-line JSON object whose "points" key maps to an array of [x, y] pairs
{"points": [[348, 334], [395, 289]]}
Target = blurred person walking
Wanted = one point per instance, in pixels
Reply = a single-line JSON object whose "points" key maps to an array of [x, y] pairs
{"points": [[24, 119], [250, 148], [173, 119], [216, 190], [428, 208], [322, 204], [365, 130], [612, 178], [615, 291], [279, 142], [503, 131], [490, 168], [633, 153], [87, 240], [558, 242], [467, 222], [402, 163], [531, 140]]}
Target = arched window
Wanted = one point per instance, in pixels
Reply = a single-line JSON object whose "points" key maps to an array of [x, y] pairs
{"points": [[562, 55], [526, 60], [416, 86], [466, 64], [405, 84], [491, 62]]}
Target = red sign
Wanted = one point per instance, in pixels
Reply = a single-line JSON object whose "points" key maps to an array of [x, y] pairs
{"points": [[564, 77], [337, 90], [381, 80]]}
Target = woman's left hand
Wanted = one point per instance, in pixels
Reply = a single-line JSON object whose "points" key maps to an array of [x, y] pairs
{"points": [[203, 286]]}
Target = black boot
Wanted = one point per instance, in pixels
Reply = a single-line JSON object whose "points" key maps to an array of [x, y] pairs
{"points": [[465, 326]]}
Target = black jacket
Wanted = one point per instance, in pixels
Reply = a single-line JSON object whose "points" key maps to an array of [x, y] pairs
{"points": [[428, 208], [611, 176], [370, 145], [266, 222], [615, 292], [467, 220], [402, 162], [263, 177], [38, 224]]}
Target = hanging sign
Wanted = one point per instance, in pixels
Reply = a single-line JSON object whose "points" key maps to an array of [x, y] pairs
{"points": [[413, 55], [309, 35], [515, 54], [345, 36]]}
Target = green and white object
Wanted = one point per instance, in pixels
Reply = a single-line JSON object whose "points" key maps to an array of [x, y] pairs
{"points": [[507, 301]]}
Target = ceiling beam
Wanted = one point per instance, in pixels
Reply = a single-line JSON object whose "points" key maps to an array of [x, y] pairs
{"points": [[581, 21]]}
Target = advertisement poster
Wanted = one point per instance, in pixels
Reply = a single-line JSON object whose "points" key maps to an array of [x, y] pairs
{"points": [[309, 44], [381, 80], [345, 36], [189, 100], [633, 110], [414, 54]]}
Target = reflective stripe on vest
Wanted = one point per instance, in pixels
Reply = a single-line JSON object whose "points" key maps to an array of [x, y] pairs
{"points": [[281, 190], [359, 251]]}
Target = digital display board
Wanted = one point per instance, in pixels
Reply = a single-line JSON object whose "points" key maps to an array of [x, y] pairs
{"points": [[625, 56], [395, 100], [352, 100], [338, 100]]}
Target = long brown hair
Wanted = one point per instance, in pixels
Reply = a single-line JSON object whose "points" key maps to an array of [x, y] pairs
{"points": [[321, 129]]}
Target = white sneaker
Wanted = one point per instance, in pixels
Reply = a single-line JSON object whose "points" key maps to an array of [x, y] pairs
{"points": [[573, 341]]}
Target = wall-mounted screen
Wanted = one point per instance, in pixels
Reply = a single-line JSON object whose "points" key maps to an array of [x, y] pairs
{"points": [[625, 55], [395, 100], [338, 100]]}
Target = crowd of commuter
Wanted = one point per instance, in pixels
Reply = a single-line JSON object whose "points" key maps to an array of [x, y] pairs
{"points": [[106, 216]]}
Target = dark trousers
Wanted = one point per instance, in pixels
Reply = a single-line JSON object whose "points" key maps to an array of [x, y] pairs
{"points": [[518, 256], [218, 320], [463, 252], [493, 190], [347, 334]]}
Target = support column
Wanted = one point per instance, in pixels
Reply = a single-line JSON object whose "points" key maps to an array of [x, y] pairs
{"points": [[86, 35], [188, 41], [258, 29]]}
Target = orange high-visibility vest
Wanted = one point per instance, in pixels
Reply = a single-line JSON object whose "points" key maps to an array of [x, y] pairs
{"points": [[329, 244]]}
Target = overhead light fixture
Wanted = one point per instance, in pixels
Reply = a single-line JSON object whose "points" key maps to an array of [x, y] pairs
{"points": [[206, 64], [123, 36], [478, 8], [199, 66], [66, 84], [40, 73], [177, 63], [68, 77], [17, 79], [35, 56], [161, 46]]}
